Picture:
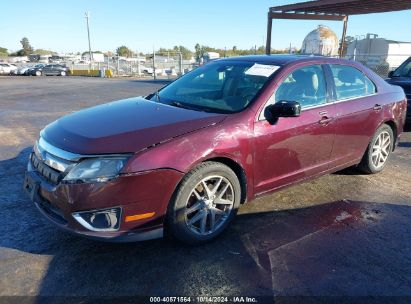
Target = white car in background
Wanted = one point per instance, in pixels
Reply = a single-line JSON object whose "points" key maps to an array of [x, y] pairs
{"points": [[150, 71], [7, 68]]}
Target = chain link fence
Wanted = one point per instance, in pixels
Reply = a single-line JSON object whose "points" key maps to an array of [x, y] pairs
{"points": [[172, 65], [156, 65]]}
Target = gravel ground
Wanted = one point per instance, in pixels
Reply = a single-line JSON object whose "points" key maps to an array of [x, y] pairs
{"points": [[344, 234]]}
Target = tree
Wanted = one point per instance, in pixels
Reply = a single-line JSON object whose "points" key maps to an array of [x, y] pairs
{"points": [[124, 51], [43, 52], [3, 52], [198, 51], [185, 52], [27, 48]]}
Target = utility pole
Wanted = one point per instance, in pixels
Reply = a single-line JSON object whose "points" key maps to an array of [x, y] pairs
{"points": [[87, 16], [180, 58], [138, 64], [154, 64]]}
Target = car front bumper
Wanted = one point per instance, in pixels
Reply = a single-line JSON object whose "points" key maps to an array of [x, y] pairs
{"points": [[142, 193]]}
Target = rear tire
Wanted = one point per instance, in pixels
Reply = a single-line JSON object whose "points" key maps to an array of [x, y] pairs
{"points": [[378, 151], [63, 73], [204, 204], [39, 73]]}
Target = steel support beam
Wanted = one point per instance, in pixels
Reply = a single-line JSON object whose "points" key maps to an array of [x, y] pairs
{"points": [[269, 29], [344, 33]]}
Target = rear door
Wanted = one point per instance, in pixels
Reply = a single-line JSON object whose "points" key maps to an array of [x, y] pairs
{"points": [[57, 69], [295, 148], [358, 112]]}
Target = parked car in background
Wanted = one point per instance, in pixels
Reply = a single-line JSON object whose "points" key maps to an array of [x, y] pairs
{"points": [[402, 77], [55, 59], [31, 70], [22, 70], [7, 68], [50, 69], [186, 157], [146, 70]]}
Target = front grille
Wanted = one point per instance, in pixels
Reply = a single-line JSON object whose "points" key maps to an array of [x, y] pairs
{"points": [[49, 174]]}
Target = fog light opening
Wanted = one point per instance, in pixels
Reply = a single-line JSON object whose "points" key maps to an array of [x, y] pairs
{"points": [[100, 220]]}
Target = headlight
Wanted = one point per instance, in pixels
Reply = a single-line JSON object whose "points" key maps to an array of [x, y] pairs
{"points": [[96, 170]]}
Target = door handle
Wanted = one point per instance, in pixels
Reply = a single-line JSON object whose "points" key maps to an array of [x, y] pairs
{"points": [[325, 120], [377, 107]]}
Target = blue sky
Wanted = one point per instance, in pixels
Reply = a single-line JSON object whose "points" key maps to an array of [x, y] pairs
{"points": [[60, 25]]}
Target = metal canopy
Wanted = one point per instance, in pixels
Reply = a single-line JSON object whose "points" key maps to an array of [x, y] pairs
{"points": [[335, 10]]}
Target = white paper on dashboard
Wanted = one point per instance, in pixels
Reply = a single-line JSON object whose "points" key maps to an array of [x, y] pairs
{"points": [[262, 70]]}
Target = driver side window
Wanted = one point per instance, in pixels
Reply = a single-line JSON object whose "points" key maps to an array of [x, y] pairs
{"points": [[305, 85]]}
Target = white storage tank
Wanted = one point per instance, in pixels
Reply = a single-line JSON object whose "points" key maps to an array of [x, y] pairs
{"points": [[321, 41]]}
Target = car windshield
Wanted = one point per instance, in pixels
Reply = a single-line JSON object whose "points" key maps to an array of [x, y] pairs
{"points": [[404, 70], [220, 86]]}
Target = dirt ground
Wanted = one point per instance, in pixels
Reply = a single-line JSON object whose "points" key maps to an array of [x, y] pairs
{"points": [[345, 234]]}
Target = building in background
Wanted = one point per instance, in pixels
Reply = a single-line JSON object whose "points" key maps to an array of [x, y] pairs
{"points": [[97, 57], [209, 56], [321, 41], [378, 53]]}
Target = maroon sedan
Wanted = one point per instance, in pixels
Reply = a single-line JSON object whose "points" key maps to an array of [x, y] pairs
{"points": [[186, 157]]}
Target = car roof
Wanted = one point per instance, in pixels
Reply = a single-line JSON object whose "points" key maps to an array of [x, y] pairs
{"points": [[283, 59]]}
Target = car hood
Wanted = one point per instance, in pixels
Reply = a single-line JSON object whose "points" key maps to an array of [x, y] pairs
{"points": [[124, 126]]}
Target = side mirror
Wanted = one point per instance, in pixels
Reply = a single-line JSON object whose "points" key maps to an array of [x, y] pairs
{"points": [[282, 109], [390, 74]]}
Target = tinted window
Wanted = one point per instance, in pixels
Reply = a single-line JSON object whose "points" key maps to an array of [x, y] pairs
{"points": [[218, 86], [306, 85], [404, 70], [350, 82]]}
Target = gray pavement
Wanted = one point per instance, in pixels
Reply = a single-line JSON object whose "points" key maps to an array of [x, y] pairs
{"points": [[344, 234]]}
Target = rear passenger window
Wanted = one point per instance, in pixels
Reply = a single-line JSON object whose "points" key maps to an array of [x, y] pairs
{"points": [[351, 83]]}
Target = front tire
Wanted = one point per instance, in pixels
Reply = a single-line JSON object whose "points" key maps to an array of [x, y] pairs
{"points": [[204, 204], [378, 151], [63, 73]]}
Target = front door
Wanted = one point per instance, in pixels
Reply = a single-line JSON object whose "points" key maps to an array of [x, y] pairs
{"points": [[47, 70], [294, 148]]}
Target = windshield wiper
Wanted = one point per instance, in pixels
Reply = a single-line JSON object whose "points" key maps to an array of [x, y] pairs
{"points": [[179, 105]]}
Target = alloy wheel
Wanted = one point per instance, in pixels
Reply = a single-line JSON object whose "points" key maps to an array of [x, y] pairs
{"points": [[209, 205], [381, 149]]}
